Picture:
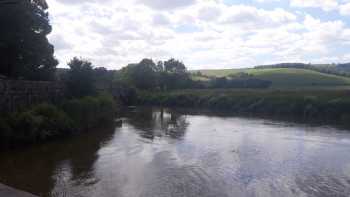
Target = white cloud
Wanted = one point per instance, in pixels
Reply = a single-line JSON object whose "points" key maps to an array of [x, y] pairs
{"points": [[209, 12], [161, 4], [161, 19], [345, 9], [202, 33], [267, 1], [257, 17], [326, 5]]}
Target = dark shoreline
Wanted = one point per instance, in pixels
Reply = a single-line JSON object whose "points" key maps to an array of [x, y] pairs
{"points": [[328, 108]]}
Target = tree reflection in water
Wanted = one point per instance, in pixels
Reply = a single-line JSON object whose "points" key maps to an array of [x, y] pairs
{"points": [[162, 122], [54, 166]]}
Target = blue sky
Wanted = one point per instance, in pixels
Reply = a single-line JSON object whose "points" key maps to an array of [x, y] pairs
{"points": [[208, 34]]}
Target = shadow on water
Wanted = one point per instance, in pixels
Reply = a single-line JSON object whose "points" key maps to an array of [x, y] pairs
{"points": [[39, 168]]}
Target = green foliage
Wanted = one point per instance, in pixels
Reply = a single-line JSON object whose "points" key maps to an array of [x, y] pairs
{"points": [[332, 106], [174, 66], [89, 112], [40, 123], [80, 78], [147, 75], [103, 78], [107, 108], [142, 75], [55, 120], [173, 75], [45, 121], [25, 51]]}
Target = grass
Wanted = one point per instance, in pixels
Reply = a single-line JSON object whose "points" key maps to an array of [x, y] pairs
{"points": [[285, 77]]}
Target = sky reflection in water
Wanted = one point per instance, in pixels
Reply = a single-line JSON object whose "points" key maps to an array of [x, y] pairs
{"points": [[172, 153]]}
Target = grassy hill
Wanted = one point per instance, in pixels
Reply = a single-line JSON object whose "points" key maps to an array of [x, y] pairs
{"points": [[281, 77]]}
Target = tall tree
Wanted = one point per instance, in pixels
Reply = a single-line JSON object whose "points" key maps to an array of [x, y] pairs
{"points": [[80, 80], [174, 66], [25, 51], [142, 75], [175, 75]]}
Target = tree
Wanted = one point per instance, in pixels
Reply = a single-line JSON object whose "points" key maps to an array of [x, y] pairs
{"points": [[142, 75], [175, 75], [103, 78], [25, 51], [147, 75], [80, 78], [174, 66]]}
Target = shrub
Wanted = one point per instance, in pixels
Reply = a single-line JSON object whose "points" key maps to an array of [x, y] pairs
{"points": [[107, 108], [55, 120], [89, 112], [26, 126], [40, 123], [45, 121]]}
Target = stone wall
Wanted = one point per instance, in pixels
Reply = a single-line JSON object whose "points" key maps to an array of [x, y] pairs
{"points": [[17, 94]]}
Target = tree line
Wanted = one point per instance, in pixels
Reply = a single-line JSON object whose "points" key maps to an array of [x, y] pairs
{"points": [[84, 79], [25, 53]]}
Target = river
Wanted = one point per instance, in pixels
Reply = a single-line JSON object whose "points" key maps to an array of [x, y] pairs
{"points": [[171, 152]]}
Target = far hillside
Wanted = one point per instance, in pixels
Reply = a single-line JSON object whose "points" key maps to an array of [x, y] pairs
{"points": [[336, 69], [279, 77]]}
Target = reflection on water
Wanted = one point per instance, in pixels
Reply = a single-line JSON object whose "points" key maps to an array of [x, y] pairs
{"points": [[152, 124], [167, 152]]}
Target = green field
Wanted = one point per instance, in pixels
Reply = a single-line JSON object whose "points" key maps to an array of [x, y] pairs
{"points": [[283, 77]]}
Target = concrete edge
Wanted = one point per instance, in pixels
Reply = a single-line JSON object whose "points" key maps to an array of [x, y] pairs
{"points": [[6, 191]]}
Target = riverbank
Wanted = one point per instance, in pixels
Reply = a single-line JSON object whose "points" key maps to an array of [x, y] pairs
{"points": [[45, 122], [326, 106]]}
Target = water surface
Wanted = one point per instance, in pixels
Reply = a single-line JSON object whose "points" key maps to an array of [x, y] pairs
{"points": [[168, 152]]}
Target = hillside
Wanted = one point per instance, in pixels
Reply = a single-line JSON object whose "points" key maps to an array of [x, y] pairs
{"points": [[281, 77]]}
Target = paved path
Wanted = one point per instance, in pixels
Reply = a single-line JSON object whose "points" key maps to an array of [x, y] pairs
{"points": [[6, 191]]}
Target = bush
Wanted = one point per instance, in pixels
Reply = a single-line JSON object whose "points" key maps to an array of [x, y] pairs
{"points": [[55, 120], [107, 108], [45, 121], [42, 122], [89, 112], [26, 126]]}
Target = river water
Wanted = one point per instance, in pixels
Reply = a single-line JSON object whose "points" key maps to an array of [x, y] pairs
{"points": [[170, 152]]}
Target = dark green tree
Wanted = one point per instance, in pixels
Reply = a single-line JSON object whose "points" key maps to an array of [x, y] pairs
{"points": [[80, 78], [142, 75], [25, 51], [103, 78], [174, 66], [175, 75]]}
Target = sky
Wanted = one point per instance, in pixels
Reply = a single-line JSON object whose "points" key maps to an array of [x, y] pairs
{"points": [[204, 34]]}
